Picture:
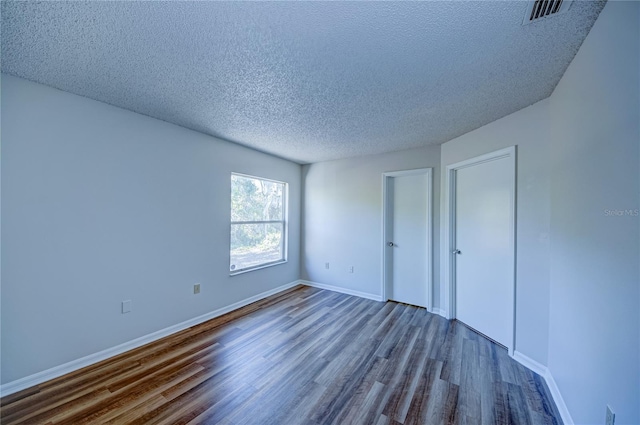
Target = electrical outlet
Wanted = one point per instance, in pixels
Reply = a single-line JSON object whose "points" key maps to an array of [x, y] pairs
{"points": [[196, 288], [350, 269], [326, 265], [126, 306], [611, 417]]}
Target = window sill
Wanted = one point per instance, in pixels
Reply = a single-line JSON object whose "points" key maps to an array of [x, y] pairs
{"points": [[263, 266]]}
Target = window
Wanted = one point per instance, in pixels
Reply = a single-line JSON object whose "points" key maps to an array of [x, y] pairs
{"points": [[258, 223]]}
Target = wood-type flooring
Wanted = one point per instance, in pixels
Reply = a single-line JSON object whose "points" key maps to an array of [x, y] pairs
{"points": [[303, 356]]}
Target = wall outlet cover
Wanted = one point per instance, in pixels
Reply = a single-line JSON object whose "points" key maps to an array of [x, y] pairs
{"points": [[126, 306], [196, 288]]}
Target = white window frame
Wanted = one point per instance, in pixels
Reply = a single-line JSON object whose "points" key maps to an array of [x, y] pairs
{"points": [[284, 221]]}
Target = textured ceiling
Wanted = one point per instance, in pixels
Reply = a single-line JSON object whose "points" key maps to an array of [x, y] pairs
{"points": [[307, 81]]}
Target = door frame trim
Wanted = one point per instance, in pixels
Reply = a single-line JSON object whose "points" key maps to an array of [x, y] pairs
{"points": [[429, 236], [448, 285]]}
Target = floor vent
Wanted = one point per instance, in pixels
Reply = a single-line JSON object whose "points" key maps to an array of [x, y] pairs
{"points": [[539, 9]]}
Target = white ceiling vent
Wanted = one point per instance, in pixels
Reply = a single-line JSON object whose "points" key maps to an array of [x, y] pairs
{"points": [[539, 9]]}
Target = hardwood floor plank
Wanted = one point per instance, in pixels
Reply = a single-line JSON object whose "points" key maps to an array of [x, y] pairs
{"points": [[303, 356], [518, 411], [283, 393], [451, 367], [486, 389], [313, 392], [366, 398], [337, 398], [53, 414], [537, 396], [439, 407], [405, 382], [469, 399], [418, 408], [52, 397], [15, 398], [122, 400], [125, 416]]}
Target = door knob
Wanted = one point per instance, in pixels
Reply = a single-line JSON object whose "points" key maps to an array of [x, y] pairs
{"points": [[456, 251], [391, 244]]}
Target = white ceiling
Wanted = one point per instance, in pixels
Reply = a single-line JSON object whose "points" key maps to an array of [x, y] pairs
{"points": [[307, 81]]}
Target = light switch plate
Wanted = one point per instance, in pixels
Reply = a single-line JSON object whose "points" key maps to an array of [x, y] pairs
{"points": [[126, 306]]}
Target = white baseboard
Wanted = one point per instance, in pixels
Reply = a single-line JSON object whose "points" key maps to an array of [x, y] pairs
{"points": [[439, 312], [557, 397], [367, 295], [529, 363], [342, 290], [54, 372], [544, 371]]}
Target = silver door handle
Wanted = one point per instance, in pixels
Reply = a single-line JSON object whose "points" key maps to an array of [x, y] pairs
{"points": [[391, 244], [456, 251]]}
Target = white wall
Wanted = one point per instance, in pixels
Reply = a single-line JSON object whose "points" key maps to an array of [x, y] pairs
{"points": [[342, 217], [528, 129], [594, 352], [578, 280], [100, 205]]}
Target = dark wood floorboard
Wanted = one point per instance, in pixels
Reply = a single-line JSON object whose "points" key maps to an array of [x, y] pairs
{"points": [[304, 356]]}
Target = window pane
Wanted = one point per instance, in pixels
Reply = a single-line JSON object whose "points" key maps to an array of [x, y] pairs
{"points": [[255, 244], [256, 200]]}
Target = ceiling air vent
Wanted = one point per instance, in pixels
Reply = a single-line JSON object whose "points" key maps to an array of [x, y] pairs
{"points": [[539, 9]]}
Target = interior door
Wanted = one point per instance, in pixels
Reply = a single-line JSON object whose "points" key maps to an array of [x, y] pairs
{"points": [[407, 234], [483, 249]]}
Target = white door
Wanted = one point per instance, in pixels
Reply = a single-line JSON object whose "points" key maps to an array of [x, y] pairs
{"points": [[483, 249], [408, 237]]}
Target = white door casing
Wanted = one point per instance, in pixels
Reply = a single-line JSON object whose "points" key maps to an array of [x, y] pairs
{"points": [[407, 265], [479, 282]]}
